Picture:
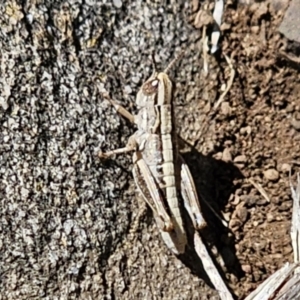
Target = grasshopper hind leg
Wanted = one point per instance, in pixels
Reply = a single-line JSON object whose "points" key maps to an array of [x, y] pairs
{"points": [[150, 192], [190, 197]]}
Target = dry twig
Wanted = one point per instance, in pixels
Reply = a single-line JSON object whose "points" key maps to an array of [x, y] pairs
{"points": [[260, 189], [210, 269]]}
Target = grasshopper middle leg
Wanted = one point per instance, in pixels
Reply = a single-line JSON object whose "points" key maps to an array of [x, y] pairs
{"points": [[130, 147]]}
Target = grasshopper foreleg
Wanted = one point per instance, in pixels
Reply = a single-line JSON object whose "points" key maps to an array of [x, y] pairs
{"points": [[120, 109]]}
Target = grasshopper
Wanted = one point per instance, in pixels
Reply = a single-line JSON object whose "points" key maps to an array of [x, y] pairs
{"points": [[161, 175]]}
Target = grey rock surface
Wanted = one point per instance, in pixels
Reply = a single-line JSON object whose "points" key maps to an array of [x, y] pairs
{"points": [[66, 215], [290, 25]]}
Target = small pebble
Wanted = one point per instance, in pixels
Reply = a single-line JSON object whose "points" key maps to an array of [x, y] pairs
{"points": [[226, 109], [270, 217], [255, 29], [286, 168], [247, 268], [296, 124], [240, 159], [227, 155], [290, 108], [29, 18], [117, 3], [245, 130], [271, 174], [3, 103], [236, 200], [127, 89], [242, 214], [135, 79], [234, 224], [226, 216]]}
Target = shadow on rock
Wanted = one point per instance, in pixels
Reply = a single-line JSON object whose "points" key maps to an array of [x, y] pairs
{"points": [[214, 180]]}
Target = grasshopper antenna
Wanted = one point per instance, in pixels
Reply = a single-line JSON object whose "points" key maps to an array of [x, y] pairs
{"points": [[154, 65], [174, 61]]}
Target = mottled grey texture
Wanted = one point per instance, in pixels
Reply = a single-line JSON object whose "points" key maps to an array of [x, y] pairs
{"points": [[65, 214], [290, 25]]}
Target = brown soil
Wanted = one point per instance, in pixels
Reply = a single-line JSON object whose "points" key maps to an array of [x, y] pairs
{"points": [[255, 132]]}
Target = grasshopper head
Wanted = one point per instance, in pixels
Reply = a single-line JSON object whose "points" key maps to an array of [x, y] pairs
{"points": [[157, 90]]}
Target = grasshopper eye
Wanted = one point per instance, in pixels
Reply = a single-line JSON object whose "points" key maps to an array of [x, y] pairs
{"points": [[150, 87]]}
